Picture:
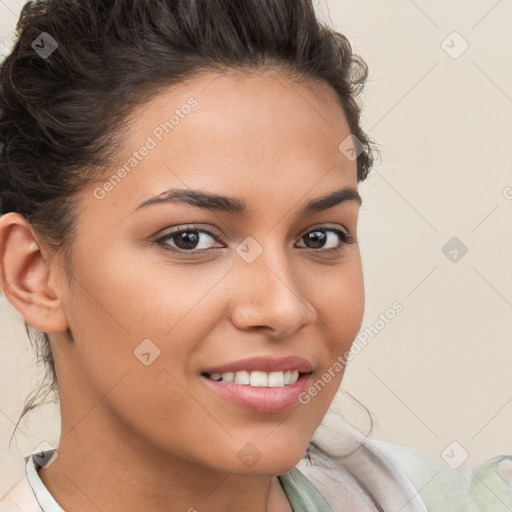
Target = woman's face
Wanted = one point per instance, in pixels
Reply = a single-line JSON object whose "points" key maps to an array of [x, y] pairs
{"points": [[149, 312]]}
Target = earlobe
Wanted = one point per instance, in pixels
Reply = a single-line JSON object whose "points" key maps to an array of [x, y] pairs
{"points": [[24, 276]]}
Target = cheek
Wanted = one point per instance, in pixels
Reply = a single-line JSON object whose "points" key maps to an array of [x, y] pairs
{"points": [[129, 310], [146, 295], [338, 297]]}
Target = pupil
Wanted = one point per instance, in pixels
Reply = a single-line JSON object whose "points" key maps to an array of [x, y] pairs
{"points": [[188, 237], [316, 237]]}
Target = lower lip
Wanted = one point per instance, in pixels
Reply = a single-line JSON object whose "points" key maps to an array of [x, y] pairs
{"points": [[261, 399]]}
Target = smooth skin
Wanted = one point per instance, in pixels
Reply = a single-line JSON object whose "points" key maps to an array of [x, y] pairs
{"points": [[155, 438]]}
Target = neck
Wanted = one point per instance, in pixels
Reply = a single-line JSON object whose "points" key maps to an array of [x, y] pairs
{"points": [[100, 471]]}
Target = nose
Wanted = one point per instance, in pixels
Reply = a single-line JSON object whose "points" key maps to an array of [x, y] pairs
{"points": [[269, 295]]}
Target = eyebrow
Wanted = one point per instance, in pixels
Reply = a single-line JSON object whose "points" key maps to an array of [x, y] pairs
{"points": [[233, 205]]}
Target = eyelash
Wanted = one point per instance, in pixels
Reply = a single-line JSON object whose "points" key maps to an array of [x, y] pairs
{"points": [[345, 239]]}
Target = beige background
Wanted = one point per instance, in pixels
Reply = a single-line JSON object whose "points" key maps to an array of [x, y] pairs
{"points": [[440, 370]]}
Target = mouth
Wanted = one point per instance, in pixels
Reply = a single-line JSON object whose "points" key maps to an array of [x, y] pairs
{"points": [[258, 391], [258, 378]]}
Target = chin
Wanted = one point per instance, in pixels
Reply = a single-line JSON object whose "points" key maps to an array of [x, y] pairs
{"points": [[268, 461]]}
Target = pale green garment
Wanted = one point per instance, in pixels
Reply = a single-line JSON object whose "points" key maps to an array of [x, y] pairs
{"points": [[486, 488]]}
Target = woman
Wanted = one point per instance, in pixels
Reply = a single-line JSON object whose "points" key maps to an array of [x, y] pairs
{"points": [[179, 189]]}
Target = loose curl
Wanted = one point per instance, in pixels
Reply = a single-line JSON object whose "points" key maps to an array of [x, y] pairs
{"points": [[62, 117]]}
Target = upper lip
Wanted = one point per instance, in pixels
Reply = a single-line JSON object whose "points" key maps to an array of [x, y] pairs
{"points": [[265, 364]]}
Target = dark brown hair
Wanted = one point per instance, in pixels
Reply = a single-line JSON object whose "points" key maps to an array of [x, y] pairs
{"points": [[62, 114]]}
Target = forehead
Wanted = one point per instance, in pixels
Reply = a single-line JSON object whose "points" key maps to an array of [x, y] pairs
{"points": [[236, 102], [251, 133]]}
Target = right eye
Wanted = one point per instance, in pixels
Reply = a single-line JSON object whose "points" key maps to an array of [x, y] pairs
{"points": [[186, 239]]}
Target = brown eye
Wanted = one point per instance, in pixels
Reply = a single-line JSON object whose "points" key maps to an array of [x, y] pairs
{"points": [[187, 240], [319, 238]]}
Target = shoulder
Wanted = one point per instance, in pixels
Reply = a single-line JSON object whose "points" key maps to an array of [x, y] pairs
{"points": [[364, 477], [402, 478], [451, 486]]}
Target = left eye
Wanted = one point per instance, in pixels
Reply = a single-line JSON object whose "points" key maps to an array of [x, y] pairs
{"points": [[319, 236], [188, 239]]}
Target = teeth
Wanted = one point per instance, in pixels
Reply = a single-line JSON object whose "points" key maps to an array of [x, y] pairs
{"points": [[275, 379], [294, 376], [241, 378], [258, 378], [228, 376]]}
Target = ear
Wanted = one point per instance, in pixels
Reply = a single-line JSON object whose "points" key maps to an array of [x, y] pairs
{"points": [[25, 276]]}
